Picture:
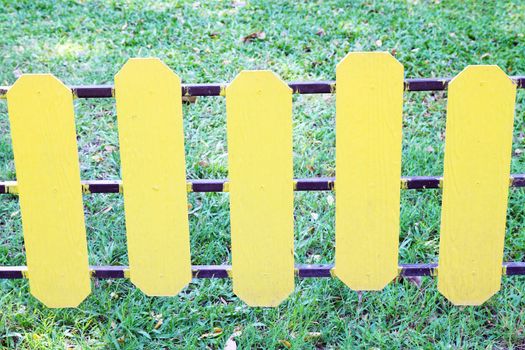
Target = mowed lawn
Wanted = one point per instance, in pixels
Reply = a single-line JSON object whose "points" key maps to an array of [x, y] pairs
{"points": [[87, 42]]}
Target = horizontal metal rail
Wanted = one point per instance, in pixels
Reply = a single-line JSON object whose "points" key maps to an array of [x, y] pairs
{"points": [[222, 185], [224, 271], [306, 87]]}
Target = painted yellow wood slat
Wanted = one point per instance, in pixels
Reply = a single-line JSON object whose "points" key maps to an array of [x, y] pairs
{"points": [[259, 125], [478, 144], [46, 160], [151, 137], [369, 103]]}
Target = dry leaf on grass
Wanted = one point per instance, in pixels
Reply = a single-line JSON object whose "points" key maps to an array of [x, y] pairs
{"points": [[285, 343], [215, 333], [158, 324], [254, 36], [313, 335], [230, 343]]}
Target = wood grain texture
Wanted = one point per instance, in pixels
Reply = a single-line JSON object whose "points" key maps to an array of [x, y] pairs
{"points": [[478, 143], [259, 125], [46, 160], [368, 167], [151, 140]]}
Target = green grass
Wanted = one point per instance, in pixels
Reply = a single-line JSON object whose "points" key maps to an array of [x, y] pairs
{"points": [[86, 42]]}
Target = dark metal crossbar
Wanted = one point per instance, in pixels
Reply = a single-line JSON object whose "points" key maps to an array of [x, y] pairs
{"points": [[306, 87], [221, 185], [224, 271]]}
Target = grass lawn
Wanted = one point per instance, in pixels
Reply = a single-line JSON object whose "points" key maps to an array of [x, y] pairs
{"points": [[87, 42]]}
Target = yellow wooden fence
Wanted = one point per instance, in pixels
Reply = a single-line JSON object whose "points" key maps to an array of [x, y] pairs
{"points": [[369, 107]]}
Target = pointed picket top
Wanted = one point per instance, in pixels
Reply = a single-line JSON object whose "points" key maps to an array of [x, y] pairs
{"points": [[478, 142], [151, 137], [369, 108], [259, 124], [48, 174]]}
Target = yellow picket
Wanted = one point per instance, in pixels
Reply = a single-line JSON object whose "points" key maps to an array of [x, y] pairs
{"points": [[259, 125], [369, 103], [479, 126], [46, 160], [149, 112]]}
